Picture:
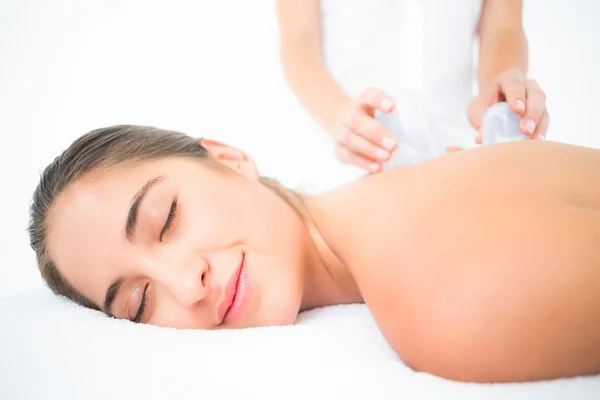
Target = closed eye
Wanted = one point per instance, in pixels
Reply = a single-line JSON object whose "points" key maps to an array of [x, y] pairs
{"points": [[140, 313], [169, 221]]}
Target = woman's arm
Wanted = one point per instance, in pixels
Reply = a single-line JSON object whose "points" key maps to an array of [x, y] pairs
{"points": [[502, 41], [302, 60], [361, 140], [503, 62]]}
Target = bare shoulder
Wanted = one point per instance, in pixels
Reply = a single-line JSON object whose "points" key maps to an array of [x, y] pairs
{"points": [[394, 213], [479, 170], [388, 213]]}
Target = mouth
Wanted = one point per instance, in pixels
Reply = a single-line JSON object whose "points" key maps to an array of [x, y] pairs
{"points": [[234, 294]]}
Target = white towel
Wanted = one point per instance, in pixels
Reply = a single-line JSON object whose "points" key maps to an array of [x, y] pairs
{"points": [[52, 349]]}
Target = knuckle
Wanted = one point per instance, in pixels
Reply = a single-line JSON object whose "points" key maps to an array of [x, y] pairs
{"points": [[514, 71], [373, 130], [537, 108], [515, 91], [363, 164], [341, 152], [367, 127], [365, 130], [367, 149], [354, 118], [344, 115], [517, 84], [546, 119], [366, 95], [370, 91], [534, 111], [346, 137], [363, 147], [535, 88], [372, 95], [338, 149]]}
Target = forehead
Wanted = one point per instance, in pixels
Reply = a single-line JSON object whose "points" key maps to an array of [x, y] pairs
{"points": [[107, 194], [98, 196]]}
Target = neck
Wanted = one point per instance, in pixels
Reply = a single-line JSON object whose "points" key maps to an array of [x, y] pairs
{"points": [[327, 280]]}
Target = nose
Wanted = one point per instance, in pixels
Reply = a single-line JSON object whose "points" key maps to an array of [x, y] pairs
{"points": [[188, 282]]}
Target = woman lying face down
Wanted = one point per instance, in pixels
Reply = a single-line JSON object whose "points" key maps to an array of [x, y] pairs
{"points": [[478, 266]]}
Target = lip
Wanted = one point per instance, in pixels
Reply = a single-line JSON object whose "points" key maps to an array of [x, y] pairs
{"points": [[234, 294]]}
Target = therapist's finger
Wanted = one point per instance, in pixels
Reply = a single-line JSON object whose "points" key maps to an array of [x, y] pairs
{"points": [[358, 143], [347, 156], [542, 126], [534, 108], [370, 129], [514, 90], [376, 99]]}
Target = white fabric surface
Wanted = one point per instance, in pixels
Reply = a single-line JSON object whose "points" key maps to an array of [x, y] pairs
{"points": [[52, 349]]}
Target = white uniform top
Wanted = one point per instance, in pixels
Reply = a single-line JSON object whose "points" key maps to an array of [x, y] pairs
{"points": [[417, 50]]}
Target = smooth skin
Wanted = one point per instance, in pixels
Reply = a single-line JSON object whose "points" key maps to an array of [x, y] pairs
{"points": [[480, 266], [360, 139]]}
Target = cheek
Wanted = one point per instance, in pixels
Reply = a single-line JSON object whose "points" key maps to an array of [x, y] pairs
{"points": [[280, 292], [170, 314], [282, 270], [228, 210], [209, 223], [207, 211]]}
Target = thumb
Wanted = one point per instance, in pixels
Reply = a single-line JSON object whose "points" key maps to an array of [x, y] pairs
{"points": [[479, 137]]}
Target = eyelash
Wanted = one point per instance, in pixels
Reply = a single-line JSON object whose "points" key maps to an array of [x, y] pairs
{"points": [[170, 219], [140, 313]]}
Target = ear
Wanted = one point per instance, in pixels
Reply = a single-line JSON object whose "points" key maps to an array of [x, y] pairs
{"points": [[233, 158]]}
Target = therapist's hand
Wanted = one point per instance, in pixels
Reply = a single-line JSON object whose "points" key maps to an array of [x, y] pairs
{"points": [[524, 96], [361, 139]]}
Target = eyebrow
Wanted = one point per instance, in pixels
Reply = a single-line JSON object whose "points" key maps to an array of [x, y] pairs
{"points": [[134, 210]]}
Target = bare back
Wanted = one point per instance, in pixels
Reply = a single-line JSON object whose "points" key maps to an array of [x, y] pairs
{"points": [[482, 265]]}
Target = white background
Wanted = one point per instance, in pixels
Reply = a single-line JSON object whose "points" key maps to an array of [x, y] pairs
{"points": [[210, 69]]}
